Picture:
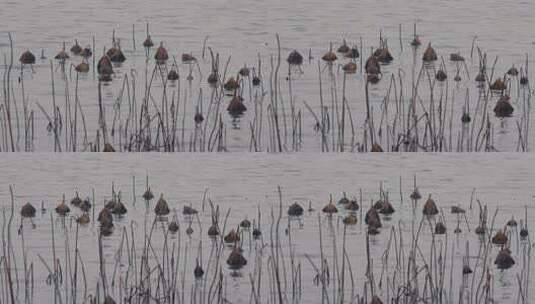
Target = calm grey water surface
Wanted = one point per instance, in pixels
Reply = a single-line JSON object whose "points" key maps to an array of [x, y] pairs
{"points": [[244, 29], [245, 182]]}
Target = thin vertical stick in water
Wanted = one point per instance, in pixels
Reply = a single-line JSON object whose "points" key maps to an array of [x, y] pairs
{"points": [[400, 38], [134, 190], [134, 37]]}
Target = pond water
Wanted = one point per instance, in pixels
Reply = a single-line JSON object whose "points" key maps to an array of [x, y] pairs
{"points": [[244, 34], [245, 31], [246, 183]]}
